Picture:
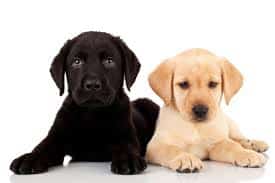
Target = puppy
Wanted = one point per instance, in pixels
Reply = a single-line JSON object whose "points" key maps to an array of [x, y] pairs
{"points": [[96, 122], [191, 127]]}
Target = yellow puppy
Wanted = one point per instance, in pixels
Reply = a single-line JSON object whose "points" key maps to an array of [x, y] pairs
{"points": [[191, 126]]}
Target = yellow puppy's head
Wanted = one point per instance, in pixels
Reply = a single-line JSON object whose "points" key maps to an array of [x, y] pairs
{"points": [[194, 82]]}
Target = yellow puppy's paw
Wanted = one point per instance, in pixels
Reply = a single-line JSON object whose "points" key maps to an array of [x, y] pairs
{"points": [[249, 159], [186, 163], [255, 145]]}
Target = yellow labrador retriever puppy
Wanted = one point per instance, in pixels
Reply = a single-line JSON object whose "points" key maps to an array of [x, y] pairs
{"points": [[191, 126]]}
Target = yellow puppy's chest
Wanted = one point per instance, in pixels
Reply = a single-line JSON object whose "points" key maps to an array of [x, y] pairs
{"points": [[195, 138], [209, 134]]}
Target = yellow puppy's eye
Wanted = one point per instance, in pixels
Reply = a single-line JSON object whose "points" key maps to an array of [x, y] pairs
{"points": [[212, 84], [184, 84]]}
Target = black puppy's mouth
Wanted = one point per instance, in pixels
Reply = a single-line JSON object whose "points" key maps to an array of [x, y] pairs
{"points": [[101, 99], [96, 102]]}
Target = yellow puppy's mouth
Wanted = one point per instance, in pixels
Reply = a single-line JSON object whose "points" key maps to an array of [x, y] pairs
{"points": [[196, 119]]}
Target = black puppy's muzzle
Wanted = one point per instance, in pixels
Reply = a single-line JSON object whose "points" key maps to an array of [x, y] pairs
{"points": [[93, 91], [200, 112]]}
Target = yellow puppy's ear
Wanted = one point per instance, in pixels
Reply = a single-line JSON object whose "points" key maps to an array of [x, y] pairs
{"points": [[161, 82], [232, 80]]}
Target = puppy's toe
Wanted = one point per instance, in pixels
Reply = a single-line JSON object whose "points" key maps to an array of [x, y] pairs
{"points": [[255, 145], [250, 159], [138, 165], [28, 164], [186, 163], [259, 146], [16, 163]]}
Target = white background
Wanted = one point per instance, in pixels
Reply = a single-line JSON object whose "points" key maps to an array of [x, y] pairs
{"points": [[32, 32]]}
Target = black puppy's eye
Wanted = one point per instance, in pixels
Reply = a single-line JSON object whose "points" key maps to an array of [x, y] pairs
{"points": [[77, 62], [108, 62], [184, 85], [212, 84]]}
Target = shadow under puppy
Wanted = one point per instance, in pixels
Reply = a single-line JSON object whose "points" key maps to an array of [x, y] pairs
{"points": [[96, 122], [191, 126]]}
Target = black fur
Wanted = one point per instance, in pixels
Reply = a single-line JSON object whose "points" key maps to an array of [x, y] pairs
{"points": [[96, 122]]}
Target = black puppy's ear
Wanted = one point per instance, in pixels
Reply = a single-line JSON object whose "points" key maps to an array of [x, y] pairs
{"points": [[131, 63], [57, 69]]}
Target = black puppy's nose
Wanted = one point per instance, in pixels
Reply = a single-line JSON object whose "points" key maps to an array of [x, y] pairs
{"points": [[200, 111], [92, 85]]}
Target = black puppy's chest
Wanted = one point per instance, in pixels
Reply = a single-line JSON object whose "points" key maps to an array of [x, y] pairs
{"points": [[93, 126], [92, 134]]}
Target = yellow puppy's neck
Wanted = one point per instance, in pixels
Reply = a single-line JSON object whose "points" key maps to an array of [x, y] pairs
{"points": [[171, 128]]}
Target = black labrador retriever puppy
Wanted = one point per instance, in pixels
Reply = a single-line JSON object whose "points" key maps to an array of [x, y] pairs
{"points": [[96, 122]]}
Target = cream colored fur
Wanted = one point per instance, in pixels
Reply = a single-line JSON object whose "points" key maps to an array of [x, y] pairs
{"points": [[180, 142]]}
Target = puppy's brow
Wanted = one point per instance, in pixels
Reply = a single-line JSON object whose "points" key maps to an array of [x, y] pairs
{"points": [[214, 78], [105, 52], [81, 54]]}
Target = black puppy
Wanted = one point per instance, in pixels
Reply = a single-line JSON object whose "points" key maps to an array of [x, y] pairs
{"points": [[96, 122]]}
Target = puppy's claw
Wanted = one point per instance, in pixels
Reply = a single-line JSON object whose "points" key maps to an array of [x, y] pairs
{"points": [[187, 170], [130, 166], [184, 171]]}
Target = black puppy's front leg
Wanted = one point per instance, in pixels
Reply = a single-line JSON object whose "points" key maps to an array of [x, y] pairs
{"points": [[126, 153], [50, 152]]}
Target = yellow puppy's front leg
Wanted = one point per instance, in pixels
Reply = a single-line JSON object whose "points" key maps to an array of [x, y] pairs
{"points": [[172, 157], [236, 135], [230, 151]]}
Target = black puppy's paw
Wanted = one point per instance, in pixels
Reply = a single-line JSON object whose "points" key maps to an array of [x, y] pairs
{"points": [[133, 165], [28, 164]]}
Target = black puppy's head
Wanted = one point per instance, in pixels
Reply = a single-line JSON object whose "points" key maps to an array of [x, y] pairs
{"points": [[95, 64]]}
